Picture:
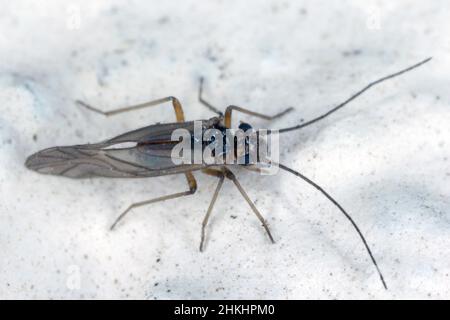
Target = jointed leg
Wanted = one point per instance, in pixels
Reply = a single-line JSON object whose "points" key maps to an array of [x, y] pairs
{"points": [[203, 101], [176, 105], [230, 109], [233, 178], [192, 188], [228, 174], [221, 176]]}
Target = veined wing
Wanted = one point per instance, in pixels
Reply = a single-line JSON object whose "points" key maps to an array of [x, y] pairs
{"points": [[151, 156], [151, 134]]}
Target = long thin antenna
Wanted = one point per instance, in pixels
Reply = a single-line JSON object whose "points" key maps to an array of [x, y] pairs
{"points": [[315, 185], [354, 97]]}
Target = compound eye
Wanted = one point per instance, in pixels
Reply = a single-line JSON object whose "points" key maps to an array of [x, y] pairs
{"points": [[245, 126]]}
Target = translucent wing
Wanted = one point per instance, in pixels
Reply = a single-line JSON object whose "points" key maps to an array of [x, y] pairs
{"points": [[154, 133], [151, 156]]}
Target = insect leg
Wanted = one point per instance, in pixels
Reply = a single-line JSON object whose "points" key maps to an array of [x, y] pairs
{"points": [[203, 101], [230, 175], [221, 176], [230, 109], [176, 105], [192, 188]]}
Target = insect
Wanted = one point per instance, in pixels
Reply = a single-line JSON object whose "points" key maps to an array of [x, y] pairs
{"points": [[150, 156]]}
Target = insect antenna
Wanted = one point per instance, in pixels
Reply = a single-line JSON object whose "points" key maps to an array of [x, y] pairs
{"points": [[354, 96], [315, 185]]}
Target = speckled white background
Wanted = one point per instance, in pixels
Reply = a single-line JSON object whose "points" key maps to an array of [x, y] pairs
{"points": [[385, 157]]}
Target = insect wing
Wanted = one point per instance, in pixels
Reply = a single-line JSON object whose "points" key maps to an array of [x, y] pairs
{"points": [[151, 156]]}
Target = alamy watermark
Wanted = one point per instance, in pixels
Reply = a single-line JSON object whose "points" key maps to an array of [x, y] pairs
{"points": [[73, 21], [73, 281], [212, 146]]}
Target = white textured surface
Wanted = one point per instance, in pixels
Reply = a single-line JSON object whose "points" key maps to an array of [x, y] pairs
{"points": [[385, 157]]}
